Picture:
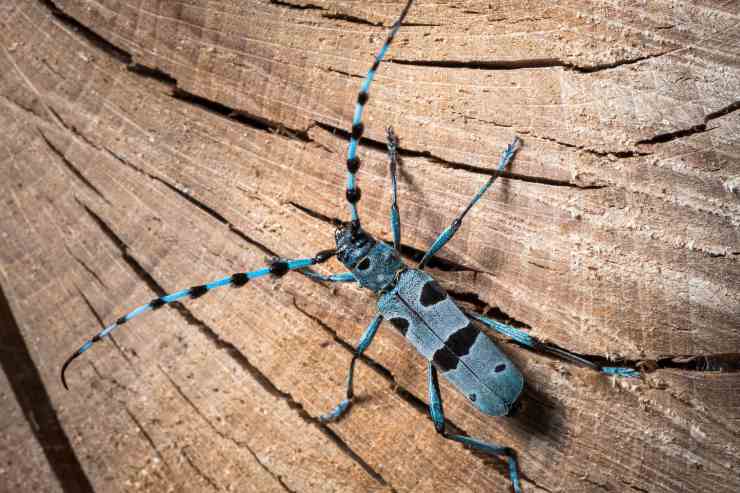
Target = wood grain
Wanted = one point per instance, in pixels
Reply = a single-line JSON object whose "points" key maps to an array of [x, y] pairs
{"points": [[149, 146]]}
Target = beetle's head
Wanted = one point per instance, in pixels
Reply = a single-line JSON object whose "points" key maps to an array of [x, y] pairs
{"points": [[353, 243]]}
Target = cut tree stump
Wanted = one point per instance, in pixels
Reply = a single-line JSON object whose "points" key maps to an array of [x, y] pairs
{"points": [[153, 145]]}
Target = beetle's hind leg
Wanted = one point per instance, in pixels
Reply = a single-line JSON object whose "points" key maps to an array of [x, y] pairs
{"points": [[438, 417], [365, 341], [530, 342]]}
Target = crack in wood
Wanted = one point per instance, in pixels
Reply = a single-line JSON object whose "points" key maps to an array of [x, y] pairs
{"points": [[211, 482], [71, 167], [261, 123], [296, 6], [197, 410], [147, 437], [102, 325], [456, 165], [625, 154], [327, 13], [91, 36], [696, 129], [528, 63], [86, 267]]}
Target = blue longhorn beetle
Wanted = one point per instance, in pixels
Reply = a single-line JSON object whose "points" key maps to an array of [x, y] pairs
{"points": [[410, 299]]}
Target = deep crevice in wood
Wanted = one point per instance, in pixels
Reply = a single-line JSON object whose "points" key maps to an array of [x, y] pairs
{"points": [[351, 18], [403, 152], [239, 357], [293, 6], [594, 152], [151, 73], [686, 132], [94, 38], [261, 123], [526, 63]]}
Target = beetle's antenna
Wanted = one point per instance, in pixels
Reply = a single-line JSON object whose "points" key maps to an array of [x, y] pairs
{"points": [[277, 268], [353, 162]]}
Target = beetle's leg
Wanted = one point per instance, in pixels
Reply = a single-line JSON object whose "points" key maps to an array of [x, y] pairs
{"points": [[450, 231], [277, 268], [365, 340], [530, 342], [393, 162], [438, 417], [342, 277]]}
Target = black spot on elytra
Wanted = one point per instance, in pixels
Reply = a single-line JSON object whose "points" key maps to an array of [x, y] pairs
{"points": [[499, 368], [461, 341], [401, 324], [364, 265], [472, 397], [431, 294], [444, 359]]}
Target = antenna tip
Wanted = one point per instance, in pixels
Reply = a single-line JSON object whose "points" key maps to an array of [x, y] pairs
{"points": [[65, 365]]}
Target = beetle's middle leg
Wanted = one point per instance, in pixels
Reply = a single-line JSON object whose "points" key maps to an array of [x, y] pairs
{"points": [[438, 417], [450, 231], [365, 340]]}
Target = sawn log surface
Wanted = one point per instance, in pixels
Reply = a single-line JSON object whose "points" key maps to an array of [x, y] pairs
{"points": [[152, 145]]}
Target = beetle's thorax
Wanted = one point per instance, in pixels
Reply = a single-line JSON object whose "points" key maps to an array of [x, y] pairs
{"points": [[373, 263]]}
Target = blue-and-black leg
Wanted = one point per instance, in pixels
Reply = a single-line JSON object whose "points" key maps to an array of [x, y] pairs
{"points": [[365, 341], [277, 268], [393, 163], [530, 342], [438, 417], [353, 162], [450, 231], [341, 277]]}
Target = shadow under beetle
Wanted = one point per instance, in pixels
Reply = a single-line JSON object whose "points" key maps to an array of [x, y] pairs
{"points": [[408, 298]]}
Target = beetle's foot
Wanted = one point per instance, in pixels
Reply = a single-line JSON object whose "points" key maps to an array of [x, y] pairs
{"points": [[336, 413]]}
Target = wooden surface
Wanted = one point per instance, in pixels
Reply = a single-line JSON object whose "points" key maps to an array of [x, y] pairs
{"points": [[152, 145]]}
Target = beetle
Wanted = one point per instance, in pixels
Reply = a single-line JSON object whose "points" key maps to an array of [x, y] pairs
{"points": [[408, 298]]}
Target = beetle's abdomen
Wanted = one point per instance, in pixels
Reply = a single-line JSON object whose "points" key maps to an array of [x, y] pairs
{"points": [[437, 328]]}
